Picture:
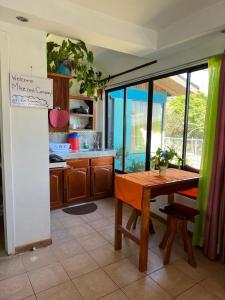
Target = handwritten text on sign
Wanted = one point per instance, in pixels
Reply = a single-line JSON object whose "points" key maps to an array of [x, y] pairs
{"points": [[31, 91]]}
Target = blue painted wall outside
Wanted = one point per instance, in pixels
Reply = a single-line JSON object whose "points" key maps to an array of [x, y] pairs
{"points": [[132, 94]]}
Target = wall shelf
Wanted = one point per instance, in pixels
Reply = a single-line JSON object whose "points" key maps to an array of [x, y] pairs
{"points": [[80, 130], [57, 75], [81, 97], [82, 115], [90, 118]]}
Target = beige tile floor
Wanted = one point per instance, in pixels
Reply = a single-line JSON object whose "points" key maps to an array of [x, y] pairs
{"points": [[82, 264]]}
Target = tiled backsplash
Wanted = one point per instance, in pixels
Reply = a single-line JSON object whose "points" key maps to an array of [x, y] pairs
{"points": [[86, 139]]}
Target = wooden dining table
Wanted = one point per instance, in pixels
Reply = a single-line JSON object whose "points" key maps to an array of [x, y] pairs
{"points": [[136, 190]]}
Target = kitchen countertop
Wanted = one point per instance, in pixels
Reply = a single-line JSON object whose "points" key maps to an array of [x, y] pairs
{"points": [[85, 154]]}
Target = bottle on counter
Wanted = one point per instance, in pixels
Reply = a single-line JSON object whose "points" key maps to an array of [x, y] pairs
{"points": [[74, 141]]}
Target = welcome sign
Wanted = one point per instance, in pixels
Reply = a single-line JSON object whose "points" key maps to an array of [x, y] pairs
{"points": [[31, 91]]}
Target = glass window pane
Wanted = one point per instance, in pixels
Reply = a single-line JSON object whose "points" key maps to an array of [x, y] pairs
{"points": [[136, 127], [115, 124], [168, 113], [196, 117]]}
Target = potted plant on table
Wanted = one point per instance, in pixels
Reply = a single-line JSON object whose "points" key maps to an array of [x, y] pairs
{"points": [[163, 157]]}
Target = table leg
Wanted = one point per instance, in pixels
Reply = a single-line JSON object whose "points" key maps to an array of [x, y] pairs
{"points": [[170, 201], [143, 252], [170, 198], [118, 222]]}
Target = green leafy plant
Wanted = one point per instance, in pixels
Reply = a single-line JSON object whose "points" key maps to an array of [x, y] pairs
{"points": [[75, 54], [79, 61], [163, 157], [91, 82]]}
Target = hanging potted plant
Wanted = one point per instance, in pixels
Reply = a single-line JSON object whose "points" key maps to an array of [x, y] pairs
{"points": [[76, 60], [66, 57], [91, 82], [163, 157]]}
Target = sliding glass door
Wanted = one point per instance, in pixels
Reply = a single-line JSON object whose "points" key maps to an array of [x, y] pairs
{"points": [[136, 127], [127, 126], [169, 96], [196, 117], [115, 122], [165, 111]]}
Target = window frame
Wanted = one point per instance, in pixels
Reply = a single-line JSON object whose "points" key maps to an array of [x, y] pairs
{"points": [[150, 82]]}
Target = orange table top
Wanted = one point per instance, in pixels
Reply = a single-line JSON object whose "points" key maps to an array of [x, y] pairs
{"points": [[129, 187]]}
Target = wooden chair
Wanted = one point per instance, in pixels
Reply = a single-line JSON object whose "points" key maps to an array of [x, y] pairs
{"points": [[178, 217], [134, 217]]}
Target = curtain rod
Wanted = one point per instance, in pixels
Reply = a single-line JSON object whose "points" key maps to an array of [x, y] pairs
{"points": [[132, 69], [169, 70], [165, 71]]}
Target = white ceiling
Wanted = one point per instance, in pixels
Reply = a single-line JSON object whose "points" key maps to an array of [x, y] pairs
{"points": [[144, 29], [154, 14]]}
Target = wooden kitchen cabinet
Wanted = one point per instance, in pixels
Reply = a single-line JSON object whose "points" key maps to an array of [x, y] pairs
{"points": [[101, 181], [76, 184], [84, 179], [56, 188], [60, 96]]}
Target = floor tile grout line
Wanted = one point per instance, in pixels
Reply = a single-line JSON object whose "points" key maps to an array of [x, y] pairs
{"points": [[142, 279], [209, 290], [80, 274], [77, 290], [119, 289], [49, 287], [95, 228], [46, 265], [181, 293], [108, 263], [185, 273], [111, 278], [61, 283], [31, 285], [111, 263], [65, 258], [144, 275], [99, 232], [167, 291], [161, 287]]}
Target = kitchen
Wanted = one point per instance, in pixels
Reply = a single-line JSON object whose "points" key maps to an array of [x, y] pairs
{"points": [[80, 260], [88, 173], [80, 170]]}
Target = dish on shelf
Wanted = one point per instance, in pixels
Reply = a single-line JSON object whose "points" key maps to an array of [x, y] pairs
{"points": [[80, 110]]}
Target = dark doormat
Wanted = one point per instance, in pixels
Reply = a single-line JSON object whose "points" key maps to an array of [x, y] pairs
{"points": [[81, 209]]}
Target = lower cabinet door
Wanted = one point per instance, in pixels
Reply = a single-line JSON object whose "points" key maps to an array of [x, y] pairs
{"points": [[102, 181], [56, 188], [76, 184]]}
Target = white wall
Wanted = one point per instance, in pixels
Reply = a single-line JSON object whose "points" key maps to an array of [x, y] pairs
{"points": [[29, 139]]}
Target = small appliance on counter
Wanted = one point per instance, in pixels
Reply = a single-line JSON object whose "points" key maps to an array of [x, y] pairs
{"points": [[74, 141], [56, 161]]}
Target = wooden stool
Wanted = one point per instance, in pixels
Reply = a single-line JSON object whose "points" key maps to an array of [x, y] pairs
{"points": [[134, 217], [179, 215]]}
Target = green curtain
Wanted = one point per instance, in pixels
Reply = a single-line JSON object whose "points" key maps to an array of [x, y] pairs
{"points": [[214, 65]]}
